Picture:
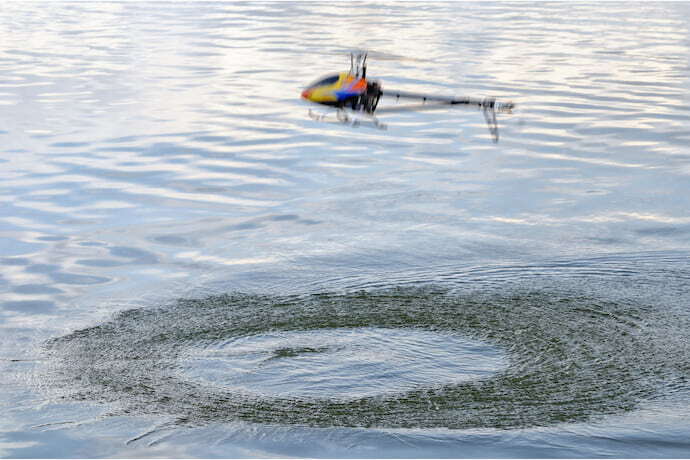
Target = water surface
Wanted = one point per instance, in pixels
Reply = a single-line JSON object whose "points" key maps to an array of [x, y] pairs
{"points": [[192, 266]]}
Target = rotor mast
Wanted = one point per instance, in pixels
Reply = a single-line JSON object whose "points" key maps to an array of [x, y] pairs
{"points": [[358, 64]]}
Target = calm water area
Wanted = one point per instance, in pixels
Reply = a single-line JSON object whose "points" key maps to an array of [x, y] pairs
{"points": [[192, 266]]}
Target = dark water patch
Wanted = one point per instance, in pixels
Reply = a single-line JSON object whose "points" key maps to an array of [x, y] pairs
{"points": [[75, 278], [131, 176], [171, 240], [70, 144], [15, 261], [211, 139], [42, 268], [36, 289], [99, 262], [91, 243], [136, 255], [124, 139], [284, 217], [52, 238], [668, 231], [572, 357], [37, 307], [242, 226], [607, 241], [291, 352]]}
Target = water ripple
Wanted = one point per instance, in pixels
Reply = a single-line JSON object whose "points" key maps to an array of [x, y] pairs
{"points": [[571, 358]]}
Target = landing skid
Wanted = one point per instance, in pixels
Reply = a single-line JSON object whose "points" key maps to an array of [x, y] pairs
{"points": [[341, 116]]}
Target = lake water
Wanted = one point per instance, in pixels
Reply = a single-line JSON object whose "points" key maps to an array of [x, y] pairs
{"points": [[191, 266]]}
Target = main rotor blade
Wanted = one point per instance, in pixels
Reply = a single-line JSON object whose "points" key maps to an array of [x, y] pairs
{"points": [[373, 54]]}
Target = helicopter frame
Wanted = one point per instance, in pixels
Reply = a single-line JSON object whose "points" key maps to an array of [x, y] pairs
{"points": [[366, 101]]}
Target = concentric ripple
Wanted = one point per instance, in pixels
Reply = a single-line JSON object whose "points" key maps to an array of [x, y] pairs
{"points": [[341, 362], [569, 358]]}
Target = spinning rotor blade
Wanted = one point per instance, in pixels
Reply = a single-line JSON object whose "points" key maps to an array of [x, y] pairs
{"points": [[374, 55]]}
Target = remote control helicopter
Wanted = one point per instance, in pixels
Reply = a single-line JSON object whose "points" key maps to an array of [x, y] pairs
{"points": [[352, 93]]}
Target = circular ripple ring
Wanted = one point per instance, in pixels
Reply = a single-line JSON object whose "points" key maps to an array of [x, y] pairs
{"points": [[571, 358]]}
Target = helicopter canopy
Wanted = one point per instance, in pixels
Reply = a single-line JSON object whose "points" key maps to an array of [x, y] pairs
{"points": [[323, 81]]}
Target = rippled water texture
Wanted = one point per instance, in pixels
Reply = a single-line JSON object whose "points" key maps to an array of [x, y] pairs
{"points": [[191, 266], [571, 358]]}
